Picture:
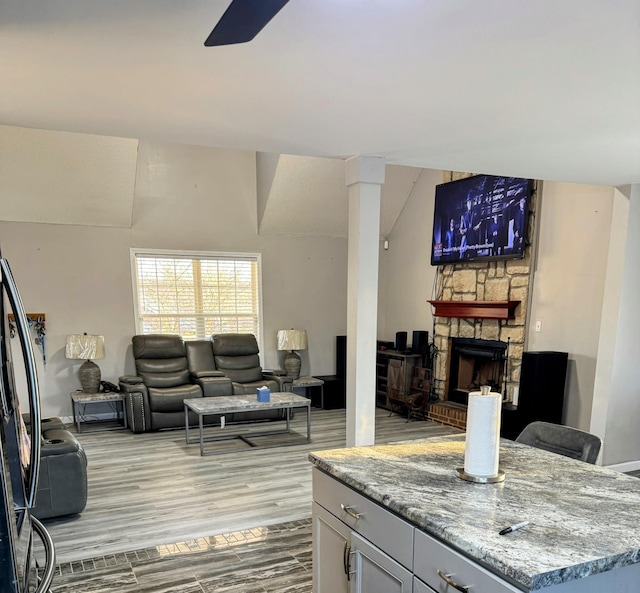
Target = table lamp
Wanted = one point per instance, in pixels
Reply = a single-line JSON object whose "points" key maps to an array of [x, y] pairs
{"points": [[83, 346], [292, 339]]}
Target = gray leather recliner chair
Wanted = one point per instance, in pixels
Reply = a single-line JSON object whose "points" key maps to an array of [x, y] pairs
{"points": [[155, 396], [236, 355], [62, 481]]}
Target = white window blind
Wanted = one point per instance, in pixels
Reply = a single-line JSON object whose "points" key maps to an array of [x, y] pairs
{"points": [[196, 296]]}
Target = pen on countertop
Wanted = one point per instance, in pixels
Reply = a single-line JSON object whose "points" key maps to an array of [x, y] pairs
{"points": [[513, 527]]}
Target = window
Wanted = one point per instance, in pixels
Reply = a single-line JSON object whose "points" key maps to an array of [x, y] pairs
{"points": [[196, 294]]}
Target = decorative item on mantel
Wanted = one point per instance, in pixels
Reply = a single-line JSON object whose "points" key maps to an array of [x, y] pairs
{"points": [[476, 309], [292, 339], [83, 346]]}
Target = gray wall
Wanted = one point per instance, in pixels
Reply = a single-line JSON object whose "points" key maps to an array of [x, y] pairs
{"points": [[406, 275], [573, 263], [205, 199], [568, 285], [189, 198]]}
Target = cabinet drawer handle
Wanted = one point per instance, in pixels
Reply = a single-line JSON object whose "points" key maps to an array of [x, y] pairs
{"points": [[351, 512], [346, 554], [447, 579]]}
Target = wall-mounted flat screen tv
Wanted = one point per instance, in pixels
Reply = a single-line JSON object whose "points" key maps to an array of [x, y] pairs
{"points": [[478, 218]]}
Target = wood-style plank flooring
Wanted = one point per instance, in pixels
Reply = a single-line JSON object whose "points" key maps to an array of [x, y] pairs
{"points": [[272, 559], [152, 497], [151, 489]]}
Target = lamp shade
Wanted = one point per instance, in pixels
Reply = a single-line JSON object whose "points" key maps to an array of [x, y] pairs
{"points": [[83, 346], [292, 339]]}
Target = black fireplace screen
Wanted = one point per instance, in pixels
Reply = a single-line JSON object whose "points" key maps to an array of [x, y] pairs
{"points": [[473, 363]]}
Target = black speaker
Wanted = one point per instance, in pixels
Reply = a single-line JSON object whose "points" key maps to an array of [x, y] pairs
{"points": [[542, 382], [541, 396], [401, 341], [420, 342], [341, 356]]}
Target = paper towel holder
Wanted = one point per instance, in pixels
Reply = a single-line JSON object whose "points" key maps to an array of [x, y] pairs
{"points": [[499, 477], [481, 479]]}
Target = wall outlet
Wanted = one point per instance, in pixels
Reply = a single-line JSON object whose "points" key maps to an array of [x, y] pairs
{"points": [[538, 326]]}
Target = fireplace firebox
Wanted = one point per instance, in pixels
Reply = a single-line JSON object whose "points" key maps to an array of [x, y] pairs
{"points": [[473, 363]]}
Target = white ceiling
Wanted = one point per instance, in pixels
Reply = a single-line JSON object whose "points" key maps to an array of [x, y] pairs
{"points": [[545, 89]]}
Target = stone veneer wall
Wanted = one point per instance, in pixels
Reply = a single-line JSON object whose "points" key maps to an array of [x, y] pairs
{"points": [[507, 280]]}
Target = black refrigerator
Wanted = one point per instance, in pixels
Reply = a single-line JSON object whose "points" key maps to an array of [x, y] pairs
{"points": [[19, 453]]}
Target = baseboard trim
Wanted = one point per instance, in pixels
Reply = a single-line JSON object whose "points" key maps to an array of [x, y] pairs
{"points": [[627, 466]]}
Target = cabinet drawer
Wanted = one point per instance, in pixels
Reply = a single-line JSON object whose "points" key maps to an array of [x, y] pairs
{"points": [[431, 556], [420, 587], [380, 526]]}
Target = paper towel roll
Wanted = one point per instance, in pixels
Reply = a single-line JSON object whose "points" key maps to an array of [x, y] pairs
{"points": [[483, 434]]}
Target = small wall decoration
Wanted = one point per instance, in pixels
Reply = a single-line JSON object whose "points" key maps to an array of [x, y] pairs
{"points": [[37, 325]]}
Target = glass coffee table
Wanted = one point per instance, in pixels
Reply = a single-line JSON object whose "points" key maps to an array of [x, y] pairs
{"points": [[228, 404]]}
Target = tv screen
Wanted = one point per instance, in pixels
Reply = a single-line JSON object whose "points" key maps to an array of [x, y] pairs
{"points": [[483, 217]]}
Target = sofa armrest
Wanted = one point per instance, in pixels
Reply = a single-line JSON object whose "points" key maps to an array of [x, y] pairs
{"points": [[136, 400], [129, 385], [130, 379], [212, 386], [62, 484], [204, 374]]}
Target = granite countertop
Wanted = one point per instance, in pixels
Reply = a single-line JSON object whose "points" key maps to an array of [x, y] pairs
{"points": [[248, 401], [583, 518]]}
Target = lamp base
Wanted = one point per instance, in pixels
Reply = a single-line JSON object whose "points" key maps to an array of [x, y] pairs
{"points": [[292, 364], [89, 375]]}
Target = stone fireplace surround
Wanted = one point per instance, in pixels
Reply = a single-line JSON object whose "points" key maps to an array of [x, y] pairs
{"points": [[506, 281]]}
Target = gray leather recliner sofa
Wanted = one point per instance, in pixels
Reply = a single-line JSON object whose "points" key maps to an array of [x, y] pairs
{"points": [[235, 356], [170, 370], [154, 396]]}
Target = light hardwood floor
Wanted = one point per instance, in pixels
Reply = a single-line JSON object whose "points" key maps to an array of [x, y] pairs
{"points": [[152, 489]]}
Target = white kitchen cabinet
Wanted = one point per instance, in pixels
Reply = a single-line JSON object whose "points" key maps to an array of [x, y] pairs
{"points": [[420, 587], [406, 503], [331, 547], [349, 533], [373, 571]]}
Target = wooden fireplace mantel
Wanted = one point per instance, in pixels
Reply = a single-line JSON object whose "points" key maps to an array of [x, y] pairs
{"points": [[476, 309]]}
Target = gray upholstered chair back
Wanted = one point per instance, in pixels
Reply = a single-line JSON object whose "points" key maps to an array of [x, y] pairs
{"points": [[161, 360], [200, 357], [563, 440], [236, 355]]}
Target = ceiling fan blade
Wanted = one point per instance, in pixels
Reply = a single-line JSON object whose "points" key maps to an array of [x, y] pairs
{"points": [[243, 20]]}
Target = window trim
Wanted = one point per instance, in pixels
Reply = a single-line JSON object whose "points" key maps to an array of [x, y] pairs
{"points": [[184, 254]]}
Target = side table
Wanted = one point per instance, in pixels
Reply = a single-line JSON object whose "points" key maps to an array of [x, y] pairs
{"points": [[79, 398], [307, 382], [334, 391]]}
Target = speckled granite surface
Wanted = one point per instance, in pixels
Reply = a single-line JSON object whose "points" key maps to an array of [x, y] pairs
{"points": [[583, 519], [230, 403]]}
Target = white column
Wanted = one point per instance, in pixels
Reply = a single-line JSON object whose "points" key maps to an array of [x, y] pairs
{"points": [[615, 398], [364, 176]]}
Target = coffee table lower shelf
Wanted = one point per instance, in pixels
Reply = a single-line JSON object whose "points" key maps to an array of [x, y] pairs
{"points": [[229, 404]]}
